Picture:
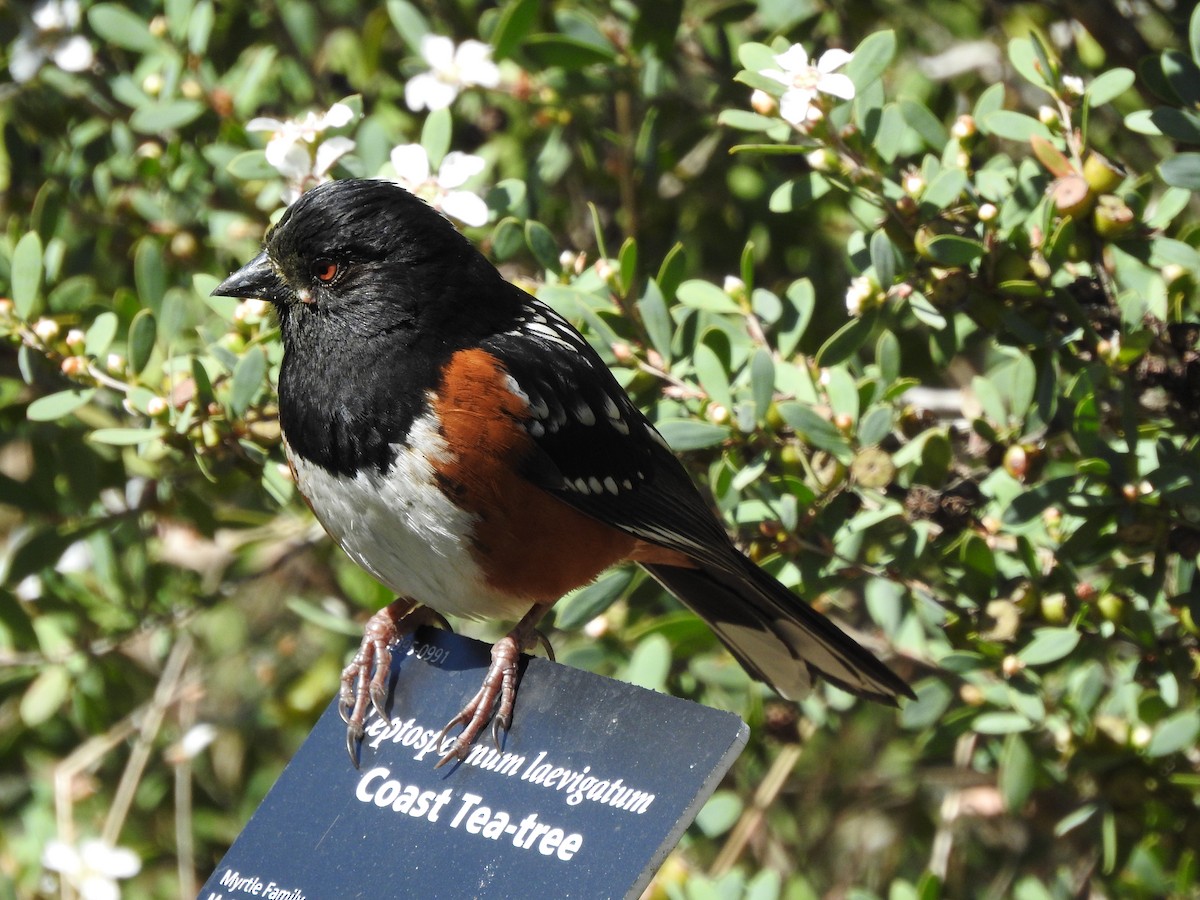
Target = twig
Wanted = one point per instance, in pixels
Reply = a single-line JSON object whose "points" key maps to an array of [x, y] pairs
{"points": [[164, 696], [752, 816]]}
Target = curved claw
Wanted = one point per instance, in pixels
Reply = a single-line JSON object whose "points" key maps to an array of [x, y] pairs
{"points": [[353, 736], [545, 642], [364, 680], [498, 691]]}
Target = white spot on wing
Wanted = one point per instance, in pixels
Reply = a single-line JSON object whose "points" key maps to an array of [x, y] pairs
{"points": [[584, 414]]}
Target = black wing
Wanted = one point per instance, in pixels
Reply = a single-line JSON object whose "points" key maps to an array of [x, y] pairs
{"points": [[598, 453]]}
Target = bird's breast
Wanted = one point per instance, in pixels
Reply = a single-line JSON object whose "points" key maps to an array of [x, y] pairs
{"points": [[401, 527]]}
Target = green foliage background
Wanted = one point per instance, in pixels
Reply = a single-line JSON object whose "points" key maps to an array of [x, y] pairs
{"points": [[988, 472]]}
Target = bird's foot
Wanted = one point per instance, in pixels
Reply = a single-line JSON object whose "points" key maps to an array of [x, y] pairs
{"points": [[500, 683], [365, 679]]}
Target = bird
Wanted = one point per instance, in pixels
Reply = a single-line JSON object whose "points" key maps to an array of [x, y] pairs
{"points": [[465, 445]]}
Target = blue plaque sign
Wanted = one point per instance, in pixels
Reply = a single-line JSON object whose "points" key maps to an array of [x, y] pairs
{"points": [[590, 790]]}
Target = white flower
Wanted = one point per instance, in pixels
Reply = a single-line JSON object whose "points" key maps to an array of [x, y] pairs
{"points": [[804, 81], [411, 163], [298, 149], [862, 295], [93, 867], [48, 39], [452, 69]]}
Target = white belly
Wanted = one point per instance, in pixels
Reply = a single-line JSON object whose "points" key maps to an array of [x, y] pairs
{"points": [[403, 529]]}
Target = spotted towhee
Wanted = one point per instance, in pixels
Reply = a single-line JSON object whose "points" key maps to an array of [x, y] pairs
{"points": [[465, 445]]}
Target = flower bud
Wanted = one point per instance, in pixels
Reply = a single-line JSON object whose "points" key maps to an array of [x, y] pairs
{"points": [[717, 413], [1011, 665], [822, 159], [964, 127], [73, 365], [987, 212], [46, 329], [913, 183], [763, 103], [155, 407], [1048, 116], [76, 339]]}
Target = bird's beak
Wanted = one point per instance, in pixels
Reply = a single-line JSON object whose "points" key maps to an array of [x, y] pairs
{"points": [[256, 279]]}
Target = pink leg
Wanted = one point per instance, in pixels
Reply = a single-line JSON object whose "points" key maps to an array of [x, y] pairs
{"points": [[499, 682], [359, 682]]}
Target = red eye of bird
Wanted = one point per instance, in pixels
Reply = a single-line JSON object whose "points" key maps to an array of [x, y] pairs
{"points": [[324, 270]]}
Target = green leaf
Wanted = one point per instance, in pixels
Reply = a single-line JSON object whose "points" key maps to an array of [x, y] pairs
{"points": [[1183, 76], [933, 699], [199, 27], [926, 312], [1175, 733], [57, 406], [883, 258], [119, 26], [1018, 772], [101, 334], [1049, 645], [1024, 59], [814, 429], [846, 341], [803, 298], [719, 814], [45, 695], [745, 120], [891, 135], [1194, 35], [580, 607], [26, 274], [688, 434], [409, 21], [649, 663], [710, 372], [944, 190], [1000, 723], [952, 250], [1014, 126], [627, 260], [798, 193], [699, 294], [924, 123], [1181, 170], [569, 53], [248, 379], [670, 273], [656, 318], [542, 244], [1109, 86], [125, 437], [435, 135], [155, 118], [515, 22], [875, 425], [251, 165], [756, 57], [989, 102], [149, 273], [762, 381], [142, 333], [871, 58]]}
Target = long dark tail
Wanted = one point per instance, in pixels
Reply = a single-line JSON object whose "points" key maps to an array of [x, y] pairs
{"points": [[774, 634]]}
